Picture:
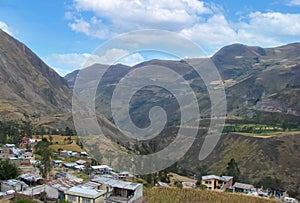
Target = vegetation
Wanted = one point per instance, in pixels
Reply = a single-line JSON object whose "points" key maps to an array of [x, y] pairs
{"points": [[8, 170], [44, 165], [233, 170], [177, 195], [261, 129], [13, 131]]}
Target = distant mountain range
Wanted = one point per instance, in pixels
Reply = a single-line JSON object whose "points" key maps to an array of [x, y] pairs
{"points": [[262, 87]]}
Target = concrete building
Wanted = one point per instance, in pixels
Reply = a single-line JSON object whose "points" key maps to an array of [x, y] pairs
{"points": [[56, 188], [125, 192], [213, 182], [78, 194], [243, 187], [13, 184]]}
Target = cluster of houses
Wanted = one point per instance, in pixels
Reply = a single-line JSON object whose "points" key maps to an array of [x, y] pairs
{"points": [[16, 155], [104, 185], [225, 183], [101, 188]]}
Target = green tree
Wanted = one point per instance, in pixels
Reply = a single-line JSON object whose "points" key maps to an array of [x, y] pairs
{"points": [[44, 165], [233, 170], [8, 170], [50, 139]]}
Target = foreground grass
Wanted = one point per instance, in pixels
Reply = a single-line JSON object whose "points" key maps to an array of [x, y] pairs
{"points": [[176, 195]]}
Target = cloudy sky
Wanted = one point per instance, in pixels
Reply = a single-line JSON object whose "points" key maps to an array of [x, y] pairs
{"points": [[65, 33]]}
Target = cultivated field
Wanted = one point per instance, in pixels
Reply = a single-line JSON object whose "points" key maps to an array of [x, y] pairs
{"points": [[176, 195]]}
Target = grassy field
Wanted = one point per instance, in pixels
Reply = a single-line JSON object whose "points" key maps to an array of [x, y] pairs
{"points": [[61, 142], [269, 134], [176, 195]]}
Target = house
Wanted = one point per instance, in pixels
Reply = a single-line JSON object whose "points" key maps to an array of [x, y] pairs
{"points": [[29, 141], [81, 162], [34, 192], [125, 192], [56, 188], [119, 191], [162, 184], [70, 165], [243, 187], [188, 185], [124, 175], [93, 185], [5, 153], [290, 200], [19, 161], [213, 182], [84, 195], [31, 179], [84, 154], [57, 163], [13, 184], [102, 169]]}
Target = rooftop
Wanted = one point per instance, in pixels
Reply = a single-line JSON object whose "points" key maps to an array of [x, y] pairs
{"points": [[62, 184], [223, 178], [85, 192], [117, 183], [99, 167], [243, 186]]}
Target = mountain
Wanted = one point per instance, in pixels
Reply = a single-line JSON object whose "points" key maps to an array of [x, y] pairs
{"points": [[262, 88], [29, 87], [262, 84]]}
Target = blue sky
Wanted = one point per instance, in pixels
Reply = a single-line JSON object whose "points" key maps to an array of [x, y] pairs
{"points": [[65, 33]]}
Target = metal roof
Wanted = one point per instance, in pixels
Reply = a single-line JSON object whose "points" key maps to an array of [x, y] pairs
{"points": [[223, 178], [84, 191], [243, 186], [117, 183]]}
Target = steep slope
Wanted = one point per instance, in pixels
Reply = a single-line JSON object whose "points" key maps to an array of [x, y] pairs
{"points": [[29, 88]]}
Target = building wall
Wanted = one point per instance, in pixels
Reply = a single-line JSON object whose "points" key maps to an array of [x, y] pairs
{"points": [[79, 199], [210, 184], [213, 184], [51, 192], [138, 193]]}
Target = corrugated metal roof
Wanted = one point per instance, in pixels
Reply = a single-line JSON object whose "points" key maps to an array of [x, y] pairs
{"points": [[243, 186], [84, 191], [223, 178]]}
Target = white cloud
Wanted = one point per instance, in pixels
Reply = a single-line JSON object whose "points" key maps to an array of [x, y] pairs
{"points": [[94, 27], [205, 24], [66, 63], [5, 28], [262, 29], [124, 16], [294, 3], [113, 56]]}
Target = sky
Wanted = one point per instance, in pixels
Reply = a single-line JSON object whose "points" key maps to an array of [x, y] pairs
{"points": [[66, 33]]}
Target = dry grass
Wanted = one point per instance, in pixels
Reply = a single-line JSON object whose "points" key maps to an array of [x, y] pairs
{"points": [[176, 195], [69, 147], [57, 138], [175, 177], [60, 139]]}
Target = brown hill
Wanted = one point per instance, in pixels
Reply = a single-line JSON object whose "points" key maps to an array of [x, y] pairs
{"points": [[29, 88]]}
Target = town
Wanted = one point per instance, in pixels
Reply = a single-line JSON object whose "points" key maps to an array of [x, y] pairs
{"points": [[75, 177]]}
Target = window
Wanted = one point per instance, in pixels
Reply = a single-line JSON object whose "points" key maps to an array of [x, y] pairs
{"points": [[86, 200], [72, 198]]}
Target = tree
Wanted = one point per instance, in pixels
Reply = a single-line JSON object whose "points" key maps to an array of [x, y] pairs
{"points": [[50, 139], [8, 170], [44, 165], [233, 170]]}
